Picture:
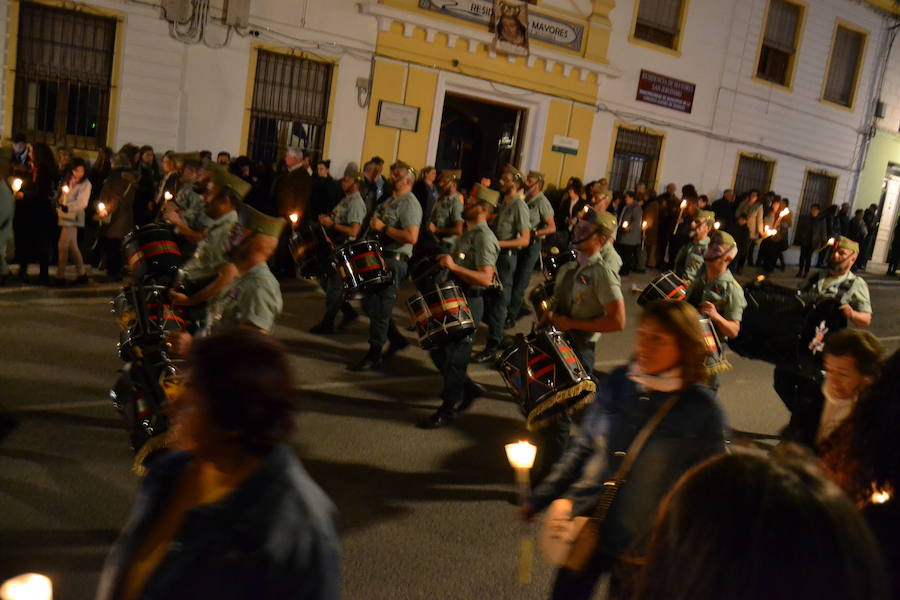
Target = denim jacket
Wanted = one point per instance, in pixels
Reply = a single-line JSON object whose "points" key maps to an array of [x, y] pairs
{"points": [[691, 432], [270, 538]]}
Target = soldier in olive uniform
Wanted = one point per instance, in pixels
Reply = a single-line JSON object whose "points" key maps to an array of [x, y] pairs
{"points": [[797, 389], [397, 220], [344, 223], [542, 224], [446, 219], [186, 211], [208, 271], [472, 264], [513, 230], [689, 261], [253, 299], [587, 302]]}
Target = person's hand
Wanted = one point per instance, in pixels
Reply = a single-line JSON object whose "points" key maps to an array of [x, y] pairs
{"points": [[179, 342], [486, 182], [377, 224], [525, 513], [562, 322], [178, 298], [546, 319], [446, 261], [846, 310], [432, 227], [326, 221], [173, 216], [708, 309], [19, 195]]}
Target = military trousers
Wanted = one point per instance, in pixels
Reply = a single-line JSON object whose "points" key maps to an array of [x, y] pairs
{"points": [[497, 305], [452, 360], [334, 294], [380, 306], [525, 263]]}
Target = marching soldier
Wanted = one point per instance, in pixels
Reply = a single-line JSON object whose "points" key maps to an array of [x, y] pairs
{"points": [[253, 299], [208, 271], [344, 223], [397, 220], [795, 389], [542, 224], [446, 219], [472, 263], [513, 230], [690, 259], [587, 302]]}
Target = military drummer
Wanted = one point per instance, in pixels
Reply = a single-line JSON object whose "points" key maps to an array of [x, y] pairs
{"points": [[472, 264], [714, 290], [446, 219], [690, 259], [344, 224]]}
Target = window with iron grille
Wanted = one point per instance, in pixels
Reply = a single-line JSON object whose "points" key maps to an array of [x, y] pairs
{"points": [[635, 159], [819, 189], [779, 45], [659, 22], [843, 68], [63, 75], [753, 173], [290, 105]]}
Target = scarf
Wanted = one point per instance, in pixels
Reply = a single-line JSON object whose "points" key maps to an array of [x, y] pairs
{"points": [[667, 381]]}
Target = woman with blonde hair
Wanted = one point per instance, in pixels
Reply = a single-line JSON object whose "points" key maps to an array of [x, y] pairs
{"points": [[663, 391]]}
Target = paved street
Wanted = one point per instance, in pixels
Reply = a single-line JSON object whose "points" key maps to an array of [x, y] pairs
{"points": [[423, 514]]}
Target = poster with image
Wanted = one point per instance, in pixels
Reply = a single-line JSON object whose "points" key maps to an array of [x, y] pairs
{"points": [[510, 26]]}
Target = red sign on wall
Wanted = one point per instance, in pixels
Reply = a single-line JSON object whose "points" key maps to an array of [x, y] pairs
{"points": [[665, 91]]}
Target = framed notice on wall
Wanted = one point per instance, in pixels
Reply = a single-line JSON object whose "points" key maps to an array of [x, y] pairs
{"points": [[399, 116]]}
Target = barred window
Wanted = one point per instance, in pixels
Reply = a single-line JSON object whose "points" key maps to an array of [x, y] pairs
{"points": [[818, 189], [63, 76], [843, 68], [635, 159], [290, 105], [659, 22], [779, 46], [753, 173]]}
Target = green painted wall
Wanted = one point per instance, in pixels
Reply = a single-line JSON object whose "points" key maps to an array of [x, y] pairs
{"points": [[885, 148]]}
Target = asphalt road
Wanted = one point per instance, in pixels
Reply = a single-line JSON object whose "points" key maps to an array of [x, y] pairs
{"points": [[423, 514]]}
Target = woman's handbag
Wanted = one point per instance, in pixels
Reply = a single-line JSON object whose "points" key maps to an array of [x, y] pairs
{"points": [[570, 543]]}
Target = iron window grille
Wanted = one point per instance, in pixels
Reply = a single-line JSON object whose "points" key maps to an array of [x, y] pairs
{"points": [[63, 76], [779, 42], [290, 105], [819, 189], [843, 69], [658, 22], [753, 173], [635, 159]]}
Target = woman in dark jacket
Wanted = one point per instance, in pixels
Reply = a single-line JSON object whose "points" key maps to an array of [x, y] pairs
{"points": [[668, 369], [231, 514], [34, 223], [149, 177]]}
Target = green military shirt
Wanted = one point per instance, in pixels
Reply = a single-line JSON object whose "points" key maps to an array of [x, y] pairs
{"points": [[538, 210], [212, 252], [857, 296], [477, 247], [400, 212], [581, 292], [193, 207], [350, 210], [611, 257], [511, 219], [253, 298], [723, 291], [690, 261], [446, 213]]}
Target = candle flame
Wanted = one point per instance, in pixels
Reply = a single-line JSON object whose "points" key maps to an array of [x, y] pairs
{"points": [[521, 454], [683, 204], [101, 207], [65, 189], [294, 217], [830, 242], [643, 224], [16, 184], [785, 212], [624, 224], [167, 195], [716, 225], [27, 586], [462, 256], [880, 496]]}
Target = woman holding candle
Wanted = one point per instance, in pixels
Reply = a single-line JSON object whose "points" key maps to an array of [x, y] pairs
{"points": [[73, 200], [35, 216], [667, 371]]}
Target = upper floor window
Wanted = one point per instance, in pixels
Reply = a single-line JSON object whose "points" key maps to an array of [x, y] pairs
{"points": [[844, 65], [659, 22], [818, 189], [63, 76], [290, 105], [781, 37], [635, 159]]}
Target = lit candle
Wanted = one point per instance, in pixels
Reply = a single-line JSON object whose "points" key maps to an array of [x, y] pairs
{"points": [[785, 212], [168, 196], [716, 225], [521, 458], [16, 184], [680, 211], [101, 207], [880, 496], [461, 256], [683, 204], [830, 242], [65, 189], [624, 224], [294, 217], [28, 586], [644, 225], [521, 455]]}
